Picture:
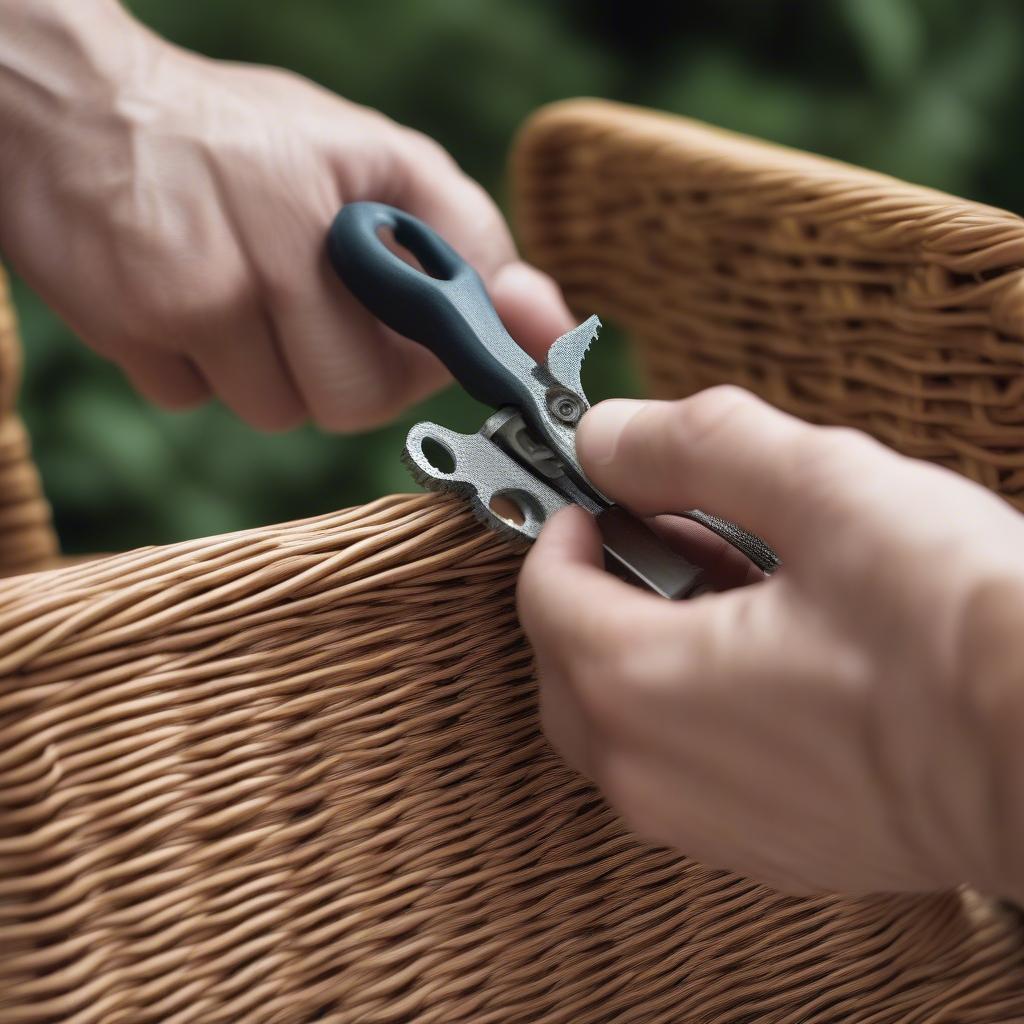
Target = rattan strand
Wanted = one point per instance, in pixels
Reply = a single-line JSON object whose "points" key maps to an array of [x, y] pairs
{"points": [[844, 296], [295, 774], [27, 539]]}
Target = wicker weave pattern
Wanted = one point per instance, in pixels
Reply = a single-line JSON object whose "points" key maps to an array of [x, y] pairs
{"points": [[27, 540], [295, 774], [841, 295]]}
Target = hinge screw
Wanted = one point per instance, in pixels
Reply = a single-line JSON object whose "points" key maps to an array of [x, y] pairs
{"points": [[565, 406]]}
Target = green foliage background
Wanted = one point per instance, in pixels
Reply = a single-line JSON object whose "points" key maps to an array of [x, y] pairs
{"points": [[928, 90]]}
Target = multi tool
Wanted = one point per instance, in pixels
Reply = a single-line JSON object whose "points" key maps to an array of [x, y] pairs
{"points": [[521, 466]]}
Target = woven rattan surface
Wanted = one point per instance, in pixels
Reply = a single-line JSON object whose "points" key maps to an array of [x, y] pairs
{"points": [[844, 296], [295, 774], [27, 540]]}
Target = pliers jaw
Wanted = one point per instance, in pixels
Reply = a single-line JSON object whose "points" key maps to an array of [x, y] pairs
{"points": [[488, 478], [521, 467]]}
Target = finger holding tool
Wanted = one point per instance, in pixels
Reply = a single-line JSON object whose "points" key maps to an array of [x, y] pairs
{"points": [[525, 453]]}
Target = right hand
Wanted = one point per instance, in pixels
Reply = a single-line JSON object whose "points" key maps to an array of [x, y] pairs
{"points": [[855, 722], [173, 209]]}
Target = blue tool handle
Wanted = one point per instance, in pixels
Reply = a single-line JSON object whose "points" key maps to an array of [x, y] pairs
{"points": [[444, 307]]}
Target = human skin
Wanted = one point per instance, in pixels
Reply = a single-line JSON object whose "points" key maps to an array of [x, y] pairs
{"points": [[853, 723], [172, 209]]}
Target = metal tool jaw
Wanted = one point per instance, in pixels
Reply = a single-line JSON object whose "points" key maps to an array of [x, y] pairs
{"points": [[513, 480], [521, 466]]}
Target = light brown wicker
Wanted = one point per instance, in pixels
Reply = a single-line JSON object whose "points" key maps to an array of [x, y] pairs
{"points": [[841, 295], [295, 775], [27, 540]]}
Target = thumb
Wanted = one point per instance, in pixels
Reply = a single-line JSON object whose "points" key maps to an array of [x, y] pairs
{"points": [[724, 451]]}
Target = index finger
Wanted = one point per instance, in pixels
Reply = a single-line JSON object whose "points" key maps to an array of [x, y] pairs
{"points": [[568, 602]]}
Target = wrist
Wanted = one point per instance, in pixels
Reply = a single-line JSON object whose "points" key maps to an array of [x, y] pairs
{"points": [[60, 61]]}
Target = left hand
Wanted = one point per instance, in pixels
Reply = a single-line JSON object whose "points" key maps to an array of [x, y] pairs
{"points": [[173, 210]]}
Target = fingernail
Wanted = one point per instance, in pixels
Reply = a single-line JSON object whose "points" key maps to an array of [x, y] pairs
{"points": [[597, 437]]}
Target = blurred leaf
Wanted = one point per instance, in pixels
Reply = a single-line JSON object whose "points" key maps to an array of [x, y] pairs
{"points": [[984, 61], [719, 87], [891, 37]]}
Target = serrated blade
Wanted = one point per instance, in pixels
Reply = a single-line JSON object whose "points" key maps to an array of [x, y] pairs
{"points": [[565, 357]]}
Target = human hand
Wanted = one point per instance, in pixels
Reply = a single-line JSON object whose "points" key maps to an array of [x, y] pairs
{"points": [[853, 723], [173, 210]]}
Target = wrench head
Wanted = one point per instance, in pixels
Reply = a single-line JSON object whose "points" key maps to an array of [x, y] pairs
{"points": [[500, 492]]}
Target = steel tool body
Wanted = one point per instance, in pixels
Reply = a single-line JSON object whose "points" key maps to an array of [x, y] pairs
{"points": [[521, 466]]}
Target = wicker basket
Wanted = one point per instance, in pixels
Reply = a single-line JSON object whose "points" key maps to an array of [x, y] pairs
{"points": [[295, 775]]}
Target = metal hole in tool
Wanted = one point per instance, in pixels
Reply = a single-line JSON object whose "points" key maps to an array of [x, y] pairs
{"points": [[516, 507], [438, 454]]}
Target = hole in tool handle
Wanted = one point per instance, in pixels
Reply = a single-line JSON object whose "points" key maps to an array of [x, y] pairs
{"points": [[519, 509], [444, 306], [438, 454], [505, 505], [388, 237]]}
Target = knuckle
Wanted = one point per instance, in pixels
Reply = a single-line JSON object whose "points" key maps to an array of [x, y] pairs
{"points": [[340, 416], [580, 673], [274, 76], [549, 676], [230, 299], [845, 442], [707, 413], [823, 462], [281, 285], [989, 643], [481, 205], [610, 646], [141, 319], [422, 147], [343, 397], [206, 317]]}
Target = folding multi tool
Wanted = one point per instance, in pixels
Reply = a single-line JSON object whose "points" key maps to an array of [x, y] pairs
{"points": [[521, 466]]}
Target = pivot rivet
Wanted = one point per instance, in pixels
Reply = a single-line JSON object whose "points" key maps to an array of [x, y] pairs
{"points": [[565, 406]]}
